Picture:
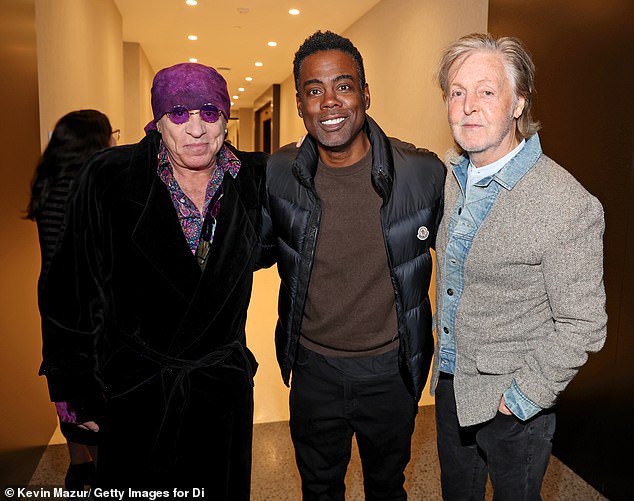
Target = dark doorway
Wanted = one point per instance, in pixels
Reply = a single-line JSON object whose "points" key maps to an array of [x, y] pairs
{"points": [[263, 129], [266, 135]]}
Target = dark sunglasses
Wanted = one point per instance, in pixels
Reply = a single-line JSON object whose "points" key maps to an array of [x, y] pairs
{"points": [[180, 115]]}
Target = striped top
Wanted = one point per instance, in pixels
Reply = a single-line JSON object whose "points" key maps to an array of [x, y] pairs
{"points": [[50, 220]]}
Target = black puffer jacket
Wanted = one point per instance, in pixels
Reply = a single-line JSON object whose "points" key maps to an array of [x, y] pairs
{"points": [[410, 182]]}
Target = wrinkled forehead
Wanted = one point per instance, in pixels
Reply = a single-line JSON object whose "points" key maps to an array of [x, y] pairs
{"points": [[481, 65]]}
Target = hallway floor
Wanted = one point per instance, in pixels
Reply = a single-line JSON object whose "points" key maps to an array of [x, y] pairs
{"points": [[275, 476]]}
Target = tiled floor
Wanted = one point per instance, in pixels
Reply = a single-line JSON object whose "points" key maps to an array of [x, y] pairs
{"points": [[275, 476]]}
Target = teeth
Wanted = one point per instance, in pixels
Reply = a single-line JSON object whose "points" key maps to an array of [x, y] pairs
{"points": [[333, 121]]}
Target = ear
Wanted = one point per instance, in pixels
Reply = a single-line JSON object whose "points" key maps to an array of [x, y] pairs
{"points": [[519, 107], [366, 96], [299, 106]]}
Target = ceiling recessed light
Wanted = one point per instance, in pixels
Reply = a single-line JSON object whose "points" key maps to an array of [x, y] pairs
{"points": [[235, 97], [232, 103], [192, 37], [272, 44], [240, 89], [191, 2], [248, 79], [259, 64], [294, 12], [193, 60]]}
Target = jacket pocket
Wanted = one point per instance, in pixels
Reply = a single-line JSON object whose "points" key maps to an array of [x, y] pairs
{"points": [[498, 362]]}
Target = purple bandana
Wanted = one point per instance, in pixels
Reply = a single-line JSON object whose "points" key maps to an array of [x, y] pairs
{"points": [[190, 85]]}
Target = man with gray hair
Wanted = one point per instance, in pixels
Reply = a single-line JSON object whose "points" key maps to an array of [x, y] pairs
{"points": [[520, 296]]}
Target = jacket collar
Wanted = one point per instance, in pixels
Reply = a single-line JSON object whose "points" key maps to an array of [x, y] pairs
{"points": [[157, 232], [158, 235], [305, 163], [509, 175], [140, 180]]}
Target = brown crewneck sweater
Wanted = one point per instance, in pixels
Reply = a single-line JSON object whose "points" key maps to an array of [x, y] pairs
{"points": [[350, 308]]}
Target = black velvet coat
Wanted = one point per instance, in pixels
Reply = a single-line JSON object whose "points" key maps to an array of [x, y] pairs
{"points": [[129, 315]]}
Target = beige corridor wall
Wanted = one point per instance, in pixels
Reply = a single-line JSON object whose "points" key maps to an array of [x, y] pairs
{"points": [[137, 84], [27, 419], [400, 41], [291, 126], [246, 129], [80, 60]]}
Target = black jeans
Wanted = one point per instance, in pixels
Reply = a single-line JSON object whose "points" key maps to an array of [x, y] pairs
{"points": [[514, 453], [332, 399]]}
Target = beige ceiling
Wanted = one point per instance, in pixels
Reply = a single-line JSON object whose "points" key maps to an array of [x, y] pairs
{"points": [[233, 35]]}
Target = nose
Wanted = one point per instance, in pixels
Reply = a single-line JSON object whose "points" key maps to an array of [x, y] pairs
{"points": [[330, 99], [471, 103], [195, 125]]}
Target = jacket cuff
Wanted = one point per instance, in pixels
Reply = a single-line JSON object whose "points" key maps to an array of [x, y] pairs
{"points": [[519, 404], [75, 387], [66, 412], [77, 412]]}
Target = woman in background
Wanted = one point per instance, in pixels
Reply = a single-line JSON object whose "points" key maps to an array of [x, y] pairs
{"points": [[77, 135]]}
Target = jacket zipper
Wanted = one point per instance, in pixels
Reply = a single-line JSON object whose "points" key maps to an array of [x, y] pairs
{"points": [[307, 261]]}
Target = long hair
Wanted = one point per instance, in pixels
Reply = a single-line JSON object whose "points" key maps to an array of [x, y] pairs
{"points": [[76, 136], [517, 61]]}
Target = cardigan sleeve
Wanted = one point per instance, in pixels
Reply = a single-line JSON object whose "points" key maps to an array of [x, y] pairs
{"points": [[573, 275]]}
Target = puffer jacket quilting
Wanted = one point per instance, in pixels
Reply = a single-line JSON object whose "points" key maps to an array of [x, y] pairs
{"points": [[410, 182]]}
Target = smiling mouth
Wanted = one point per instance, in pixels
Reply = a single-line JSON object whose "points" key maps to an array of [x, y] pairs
{"points": [[333, 121]]}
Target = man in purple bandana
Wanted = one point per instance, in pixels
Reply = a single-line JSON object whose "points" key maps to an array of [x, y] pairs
{"points": [[144, 335]]}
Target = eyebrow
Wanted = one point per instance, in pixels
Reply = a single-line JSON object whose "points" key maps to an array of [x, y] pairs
{"points": [[486, 81], [336, 79]]}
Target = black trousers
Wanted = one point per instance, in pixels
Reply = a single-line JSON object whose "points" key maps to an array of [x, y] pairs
{"points": [[333, 398], [514, 453]]}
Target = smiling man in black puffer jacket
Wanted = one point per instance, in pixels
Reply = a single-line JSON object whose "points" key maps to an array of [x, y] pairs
{"points": [[351, 216]]}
